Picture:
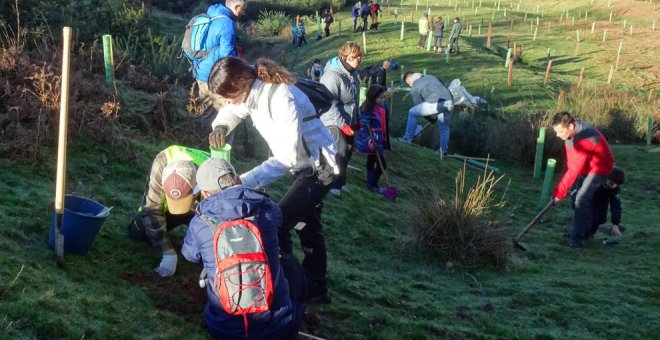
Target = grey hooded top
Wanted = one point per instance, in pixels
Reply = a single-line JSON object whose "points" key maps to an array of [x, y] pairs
{"points": [[344, 87]]}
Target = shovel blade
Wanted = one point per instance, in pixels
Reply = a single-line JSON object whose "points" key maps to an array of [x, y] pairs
{"points": [[518, 246]]}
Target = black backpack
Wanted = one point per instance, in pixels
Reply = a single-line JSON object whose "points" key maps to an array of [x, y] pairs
{"points": [[317, 93]]}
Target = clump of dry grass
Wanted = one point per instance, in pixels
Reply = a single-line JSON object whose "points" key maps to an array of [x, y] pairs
{"points": [[463, 230], [515, 139]]}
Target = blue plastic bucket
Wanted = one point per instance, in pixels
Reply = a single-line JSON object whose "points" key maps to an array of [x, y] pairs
{"points": [[80, 224]]}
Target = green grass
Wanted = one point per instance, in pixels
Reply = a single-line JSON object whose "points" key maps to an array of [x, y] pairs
{"points": [[381, 288]]}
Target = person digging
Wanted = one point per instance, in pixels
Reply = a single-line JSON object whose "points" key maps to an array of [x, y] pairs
{"points": [[432, 99]]}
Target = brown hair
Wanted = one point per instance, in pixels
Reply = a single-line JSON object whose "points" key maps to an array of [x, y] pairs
{"points": [[350, 49], [563, 118], [231, 76]]}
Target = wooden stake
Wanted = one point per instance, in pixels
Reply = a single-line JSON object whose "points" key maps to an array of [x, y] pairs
{"points": [[560, 101], [618, 56], [60, 178], [510, 75], [547, 73], [490, 31], [364, 42], [609, 77], [577, 48], [579, 81], [511, 27], [508, 37]]}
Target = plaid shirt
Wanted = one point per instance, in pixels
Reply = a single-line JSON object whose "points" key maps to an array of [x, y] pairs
{"points": [[154, 205]]}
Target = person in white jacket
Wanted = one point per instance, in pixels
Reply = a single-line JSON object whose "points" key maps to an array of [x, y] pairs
{"points": [[299, 143]]}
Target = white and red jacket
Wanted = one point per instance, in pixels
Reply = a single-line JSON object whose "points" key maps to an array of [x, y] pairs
{"points": [[587, 152]]}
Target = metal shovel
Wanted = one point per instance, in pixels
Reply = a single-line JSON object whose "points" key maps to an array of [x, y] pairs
{"points": [[516, 240]]}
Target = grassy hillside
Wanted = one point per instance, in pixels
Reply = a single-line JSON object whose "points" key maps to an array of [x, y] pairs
{"points": [[382, 288]]}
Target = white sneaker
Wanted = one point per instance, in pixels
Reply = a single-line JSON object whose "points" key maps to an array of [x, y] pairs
{"points": [[335, 192], [345, 188]]}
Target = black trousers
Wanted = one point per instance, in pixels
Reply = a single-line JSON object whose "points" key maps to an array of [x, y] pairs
{"points": [[301, 209], [344, 153], [373, 169]]}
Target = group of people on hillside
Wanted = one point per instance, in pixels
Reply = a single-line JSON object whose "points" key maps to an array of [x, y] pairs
{"points": [[362, 11], [225, 209], [438, 29]]}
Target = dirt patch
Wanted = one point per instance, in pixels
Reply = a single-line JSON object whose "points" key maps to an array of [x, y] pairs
{"points": [[178, 294]]}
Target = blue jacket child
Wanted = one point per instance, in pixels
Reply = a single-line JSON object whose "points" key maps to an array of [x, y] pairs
{"points": [[281, 321], [607, 197]]}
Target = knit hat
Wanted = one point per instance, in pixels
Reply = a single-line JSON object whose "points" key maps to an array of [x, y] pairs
{"points": [[211, 175], [178, 181], [617, 175]]}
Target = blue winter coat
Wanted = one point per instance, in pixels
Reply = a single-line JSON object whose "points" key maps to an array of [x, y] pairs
{"points": [[221, 34], [237, 202]]}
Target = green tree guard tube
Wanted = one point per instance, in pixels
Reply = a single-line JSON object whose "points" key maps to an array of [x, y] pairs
{"points": [[547, 180]]}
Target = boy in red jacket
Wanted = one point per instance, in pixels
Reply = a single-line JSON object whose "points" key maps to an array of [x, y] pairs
{"points": [[589, 160]]}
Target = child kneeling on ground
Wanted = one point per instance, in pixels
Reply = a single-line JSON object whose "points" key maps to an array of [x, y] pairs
{"points": [[607, 198]]}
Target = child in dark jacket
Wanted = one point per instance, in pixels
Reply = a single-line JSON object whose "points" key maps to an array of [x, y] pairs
{"points": [[373, 135], [607, 197]]}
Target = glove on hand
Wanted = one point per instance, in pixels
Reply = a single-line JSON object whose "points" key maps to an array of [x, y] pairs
{"points": [[432, 118], [217, 136], [167, 265], [448, 105]]}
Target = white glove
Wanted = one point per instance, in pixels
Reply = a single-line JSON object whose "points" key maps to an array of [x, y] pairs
{"points": [[167, 265], [448, 105]]}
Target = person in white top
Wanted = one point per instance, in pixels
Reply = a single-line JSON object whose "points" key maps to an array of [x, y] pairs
{"points": [[299, 143]]}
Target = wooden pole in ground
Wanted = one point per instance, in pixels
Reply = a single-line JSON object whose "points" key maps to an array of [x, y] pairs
{"points": [[618, 56], [508, 37], [510, 74], [650, 94], [604, 34], [560, 100], [609, 77], [61, 146], [579, 81], [547, 73], [649, 130], [364, 41], [490, 31], [508, 58]]}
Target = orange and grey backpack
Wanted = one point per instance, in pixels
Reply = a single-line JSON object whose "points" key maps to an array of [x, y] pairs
{"points": [[243, 278]]}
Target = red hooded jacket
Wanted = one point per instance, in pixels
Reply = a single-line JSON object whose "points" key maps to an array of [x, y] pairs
{"points": [[587, 152]]}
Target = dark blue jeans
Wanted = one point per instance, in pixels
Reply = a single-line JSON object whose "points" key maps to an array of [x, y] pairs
{"points": [[582, 195]]}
